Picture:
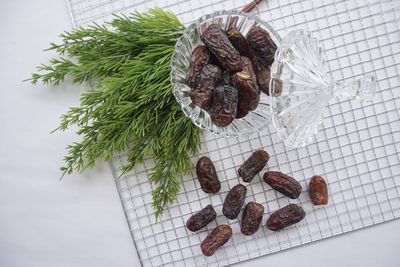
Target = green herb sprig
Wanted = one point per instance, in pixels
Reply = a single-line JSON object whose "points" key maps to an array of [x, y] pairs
{"points": [[131, 107]]}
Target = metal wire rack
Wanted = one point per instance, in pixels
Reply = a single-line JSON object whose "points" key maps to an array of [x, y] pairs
{"points": [[357, 150]]}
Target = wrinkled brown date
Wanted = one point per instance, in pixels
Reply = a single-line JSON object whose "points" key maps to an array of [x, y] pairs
{"points": [[224, 105], [240, 43], [207, 175], [240, 113], [248, 67], [246, 84], [277, 87], [210, 76], [283, 183], [226, 78], [253, 165], [252, 217], [260, 41], [217, 238], [263, 74], [201, 218], [285, 217], [234, 201], [199, 58], [202, 97], [318, 190], [218, 43]]}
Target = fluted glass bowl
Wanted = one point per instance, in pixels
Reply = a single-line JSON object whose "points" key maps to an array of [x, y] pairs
{"points": [[302, 88], [253, 122]]}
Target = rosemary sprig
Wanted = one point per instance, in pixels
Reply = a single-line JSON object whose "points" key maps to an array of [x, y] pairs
{"points": [[132, 107]]}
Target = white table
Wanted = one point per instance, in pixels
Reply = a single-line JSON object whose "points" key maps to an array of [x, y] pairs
{"points": [[79, 221]]}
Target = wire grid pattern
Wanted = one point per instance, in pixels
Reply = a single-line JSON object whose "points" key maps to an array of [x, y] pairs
{"points": [[357, 150]]}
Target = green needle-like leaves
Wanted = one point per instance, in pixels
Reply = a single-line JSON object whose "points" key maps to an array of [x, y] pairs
{"points": [[131, 107]]}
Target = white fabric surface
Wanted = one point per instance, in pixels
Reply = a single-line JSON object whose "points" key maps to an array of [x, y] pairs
{"points": [[79, 221]]}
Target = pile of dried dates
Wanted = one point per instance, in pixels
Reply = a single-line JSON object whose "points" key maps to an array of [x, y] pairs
{"points": [[253, 212], [228, 73]]}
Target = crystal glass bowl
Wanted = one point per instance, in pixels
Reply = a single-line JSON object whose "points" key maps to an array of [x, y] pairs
{"points": [[256, 120], [302, 87]]}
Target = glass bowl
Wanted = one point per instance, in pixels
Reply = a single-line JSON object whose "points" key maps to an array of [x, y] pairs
{"points": [[256, 120], [302, 88]]}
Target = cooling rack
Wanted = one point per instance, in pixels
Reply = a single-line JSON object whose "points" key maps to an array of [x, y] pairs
{"points": [[357, 150]]}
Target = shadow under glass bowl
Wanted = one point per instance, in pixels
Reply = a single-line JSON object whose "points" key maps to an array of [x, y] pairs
{"points": [[256, 120]]}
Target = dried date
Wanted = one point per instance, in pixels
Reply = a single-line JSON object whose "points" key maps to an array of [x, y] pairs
{"points": [[240, 43], [253, 165], [252, 217], [218, 43], [263, 75], [318, 190], [261, 42], [199, 58], [210, 76], [234, 201], [285, 217], [202, 97], [201, 218], [240, 113], [224, 105], [207, 175], [248, 67], [246, 84], [277, 87], [226, 78], [283, 183], [217, 238]]}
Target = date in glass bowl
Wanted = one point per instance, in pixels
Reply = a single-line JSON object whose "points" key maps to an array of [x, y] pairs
{"points": [[300, 86], [257, 119]]}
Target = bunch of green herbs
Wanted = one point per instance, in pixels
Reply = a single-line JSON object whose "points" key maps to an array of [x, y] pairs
{"points": [[131, 106]]}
